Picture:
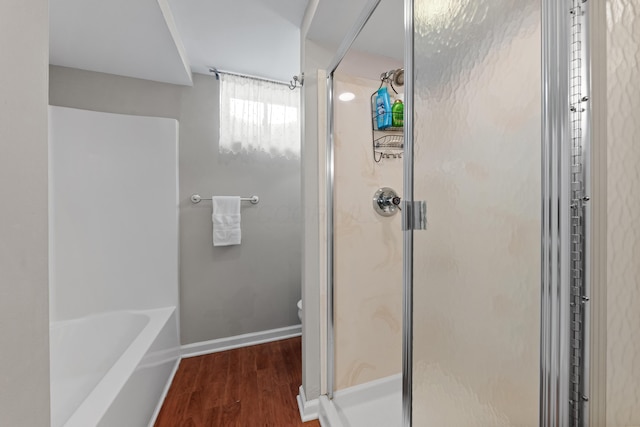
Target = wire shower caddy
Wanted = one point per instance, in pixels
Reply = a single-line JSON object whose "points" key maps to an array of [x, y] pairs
{"points": [[387, 143]]}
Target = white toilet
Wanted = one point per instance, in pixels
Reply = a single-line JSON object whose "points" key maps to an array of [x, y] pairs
{"points": [[300, 310]]}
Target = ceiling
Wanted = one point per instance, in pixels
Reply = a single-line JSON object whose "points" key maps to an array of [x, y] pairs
{"points": [[132, 38], [259, 37], [382, 35], [166, 40]]}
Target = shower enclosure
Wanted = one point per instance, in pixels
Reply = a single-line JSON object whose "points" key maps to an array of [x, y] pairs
{"points": [[472, 178], [516, 302]]}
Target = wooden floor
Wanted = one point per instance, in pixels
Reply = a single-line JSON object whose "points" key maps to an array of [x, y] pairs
{"points": [[248, 387]]}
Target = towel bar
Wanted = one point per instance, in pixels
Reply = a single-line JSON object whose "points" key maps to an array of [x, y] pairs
{"points": [[195, 198]]}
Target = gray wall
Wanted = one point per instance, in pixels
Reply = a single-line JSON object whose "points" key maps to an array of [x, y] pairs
{"points": [[24, 297], [69, 87], [224, 291], [238, 289]]}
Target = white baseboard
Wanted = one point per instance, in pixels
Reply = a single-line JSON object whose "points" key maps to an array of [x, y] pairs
{"points": [[308, 408], [246, 340], [164, 393]]}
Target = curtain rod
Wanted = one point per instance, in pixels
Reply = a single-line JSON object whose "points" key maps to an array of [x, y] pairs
{"points": [[292, 84]]}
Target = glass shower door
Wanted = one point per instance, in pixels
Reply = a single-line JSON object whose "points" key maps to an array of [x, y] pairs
{"points": [[477, 164]]}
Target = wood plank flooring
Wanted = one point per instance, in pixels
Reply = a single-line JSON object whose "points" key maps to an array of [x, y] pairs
{"points": [[247, 387]]}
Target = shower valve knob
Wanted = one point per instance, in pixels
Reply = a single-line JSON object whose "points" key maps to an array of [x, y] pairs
{"points": [[386, 201]]}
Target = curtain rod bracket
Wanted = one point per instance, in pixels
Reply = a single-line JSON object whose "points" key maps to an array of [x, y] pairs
{"points": [[215, 71], [296, 79]]}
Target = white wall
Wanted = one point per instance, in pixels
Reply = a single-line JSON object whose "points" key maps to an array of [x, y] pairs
{"points": [[24, 317], [113, 212]]}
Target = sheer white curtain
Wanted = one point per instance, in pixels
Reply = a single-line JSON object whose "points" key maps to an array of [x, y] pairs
{"points": [[258, 116]]}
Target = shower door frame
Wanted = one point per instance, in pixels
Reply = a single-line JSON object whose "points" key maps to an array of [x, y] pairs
{"points": [[556, 322], [555, 227]]}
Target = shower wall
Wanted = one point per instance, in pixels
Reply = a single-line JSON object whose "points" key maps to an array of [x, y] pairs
{"points": [[368, 247], [223, 291], [113, 213], [623, 246], [477, 164]]}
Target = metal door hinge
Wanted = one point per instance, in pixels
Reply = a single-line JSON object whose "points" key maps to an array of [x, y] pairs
{"points": [[414, 215]]}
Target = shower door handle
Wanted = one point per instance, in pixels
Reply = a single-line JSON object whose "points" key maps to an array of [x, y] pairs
{"points": [[414, 215]]}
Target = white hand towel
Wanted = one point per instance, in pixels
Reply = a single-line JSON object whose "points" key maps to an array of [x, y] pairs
{"points": [[226, 220]]}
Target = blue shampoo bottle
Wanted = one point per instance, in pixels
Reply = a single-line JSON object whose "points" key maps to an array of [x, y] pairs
{"points": [[383, 108]]}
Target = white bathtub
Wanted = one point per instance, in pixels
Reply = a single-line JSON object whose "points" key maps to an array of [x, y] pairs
{"points": [[112, 369]]}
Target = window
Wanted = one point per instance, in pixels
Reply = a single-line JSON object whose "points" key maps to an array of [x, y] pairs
{"points": [[258, 116]]}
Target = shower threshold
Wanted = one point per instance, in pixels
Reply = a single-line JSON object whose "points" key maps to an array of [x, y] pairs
{"points": [[374, 404]]}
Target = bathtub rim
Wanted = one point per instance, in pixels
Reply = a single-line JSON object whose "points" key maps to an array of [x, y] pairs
{"points": [[96, 404]]}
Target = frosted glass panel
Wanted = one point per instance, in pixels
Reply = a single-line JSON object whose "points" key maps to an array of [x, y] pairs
{"points": [[623, 227], [477, 164]]}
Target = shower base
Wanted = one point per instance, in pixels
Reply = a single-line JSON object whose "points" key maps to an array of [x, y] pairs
{"points": [[374, 404]]}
